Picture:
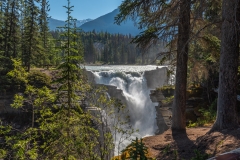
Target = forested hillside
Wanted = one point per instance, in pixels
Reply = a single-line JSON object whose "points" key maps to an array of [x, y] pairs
{"points": [[47, 103], [25, 35], [106, 48], [45, 115]]}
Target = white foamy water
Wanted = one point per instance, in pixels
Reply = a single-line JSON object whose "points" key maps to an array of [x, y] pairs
{"points": [[123, 68], [131, 80]]}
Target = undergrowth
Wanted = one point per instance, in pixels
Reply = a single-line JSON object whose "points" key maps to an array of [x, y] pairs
{"points": [[208, 116], [166, 87], [174, 155]]}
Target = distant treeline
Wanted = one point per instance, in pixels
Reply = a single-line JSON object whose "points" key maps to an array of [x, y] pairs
{"points": [[106, 48], [25, 35]]}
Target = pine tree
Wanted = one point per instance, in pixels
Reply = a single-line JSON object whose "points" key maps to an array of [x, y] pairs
{"points": [[229, 62], [2, 6], [30, 41], [44, 33], [71, 120], [136, 150], [164, 20], [179, 103], [11, 29], [9, 37]]}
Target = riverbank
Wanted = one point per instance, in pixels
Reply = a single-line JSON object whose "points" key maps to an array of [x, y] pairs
{"points": [[167, 146]]}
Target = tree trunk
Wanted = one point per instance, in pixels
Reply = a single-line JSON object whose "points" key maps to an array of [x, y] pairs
{"points": [[179, 103], [226, 109]]}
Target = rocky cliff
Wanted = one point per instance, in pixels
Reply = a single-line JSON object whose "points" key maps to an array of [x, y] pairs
{"points": [[154, 78], [163, 110]]}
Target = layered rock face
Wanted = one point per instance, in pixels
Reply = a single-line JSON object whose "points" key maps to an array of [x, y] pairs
{"points": [[164, 108], [156, 78], [163, 111]]}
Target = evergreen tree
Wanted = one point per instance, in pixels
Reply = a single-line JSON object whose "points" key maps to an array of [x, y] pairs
{"points": [[136, 150], [230, 38], [71, 120], [11, 29], [9, 37], [2, 6], [164, 20], [44, 32], [30, 41], [179, 103]]}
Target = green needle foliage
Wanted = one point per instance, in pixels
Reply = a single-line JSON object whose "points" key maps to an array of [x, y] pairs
{"points": [[60, 124], [17, 76], [137, 150], [69, 121]]}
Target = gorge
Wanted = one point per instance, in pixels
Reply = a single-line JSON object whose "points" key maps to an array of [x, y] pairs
{"points": [[132, 85]]}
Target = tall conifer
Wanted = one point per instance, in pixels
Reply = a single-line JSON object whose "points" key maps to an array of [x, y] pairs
{"points": [[30, 47]]}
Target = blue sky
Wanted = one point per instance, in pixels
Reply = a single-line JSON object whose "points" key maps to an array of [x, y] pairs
{"points": [[83, 9]]}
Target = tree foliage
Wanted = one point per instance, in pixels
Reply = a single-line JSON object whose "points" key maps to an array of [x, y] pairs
{"points": [[136, 150], [60, 125]]}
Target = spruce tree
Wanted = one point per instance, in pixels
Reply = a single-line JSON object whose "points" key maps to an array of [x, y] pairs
{"points": [[71, 121], [229, 61], [44, 33], [11, 29], [30, 39], [2, 6]]}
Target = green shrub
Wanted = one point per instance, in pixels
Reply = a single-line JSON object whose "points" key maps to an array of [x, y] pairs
{"points": [[208, 115], [167, 87], [199, 155], [38, 79], [168, 100], [17, 78], [2, 153], [167, 91], [136, 150]]}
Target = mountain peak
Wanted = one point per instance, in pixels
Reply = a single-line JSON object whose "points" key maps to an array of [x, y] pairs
{"points": [[106, 23], [54, 23]]}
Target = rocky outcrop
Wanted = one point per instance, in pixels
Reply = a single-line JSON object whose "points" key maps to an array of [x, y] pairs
{"points": [[156, 78], [232, 155], [113, 91], [90, 76], [163, 111]]}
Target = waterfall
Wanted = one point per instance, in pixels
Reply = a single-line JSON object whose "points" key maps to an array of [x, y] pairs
{"points": [[141, 109], [132, 81]]}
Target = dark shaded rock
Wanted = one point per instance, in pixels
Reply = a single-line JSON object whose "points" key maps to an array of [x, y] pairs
{"points": [[156, 96], [156, 78]]}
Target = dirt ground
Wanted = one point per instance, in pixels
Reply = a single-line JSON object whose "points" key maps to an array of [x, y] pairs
{"points": [[181, 146]]}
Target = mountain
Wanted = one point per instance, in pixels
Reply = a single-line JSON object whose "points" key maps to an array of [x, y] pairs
{"points": [[106, 23], [54, 23]]}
